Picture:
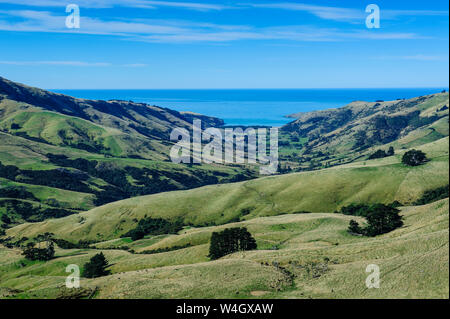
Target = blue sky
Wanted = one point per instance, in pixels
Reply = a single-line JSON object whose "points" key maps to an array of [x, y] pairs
{"points": [[140, 44]]}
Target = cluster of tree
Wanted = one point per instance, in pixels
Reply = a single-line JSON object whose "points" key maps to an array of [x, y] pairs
{"points": [[355, 210], [386, 129], [166, 249], [229, 241], [414, 158], [64, 244], [96, 267], [382, 153], [16, 192], [153, 226], [29, 212], [433, 195], [44, 254], [146, 180], [59, 178], [37, 253], [380, 219]]}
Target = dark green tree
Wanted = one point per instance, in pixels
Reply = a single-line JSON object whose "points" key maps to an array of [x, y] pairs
{"points": [[354, 228], [96, 267], [382, 219], [229, 241], [414, 158]]}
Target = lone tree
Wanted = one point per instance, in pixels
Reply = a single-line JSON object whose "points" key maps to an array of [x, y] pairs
{"points": [[380, 218], [414, 158], [96, 267], [229, 241]]}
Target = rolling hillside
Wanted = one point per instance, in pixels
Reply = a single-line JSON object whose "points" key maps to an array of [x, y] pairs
{"points": [[298, 256], [89, 171], [62, 155], [351, 133], [383, 180]]}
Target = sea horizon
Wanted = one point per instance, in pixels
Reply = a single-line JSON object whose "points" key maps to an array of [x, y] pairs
{"points": [[264, 107]]}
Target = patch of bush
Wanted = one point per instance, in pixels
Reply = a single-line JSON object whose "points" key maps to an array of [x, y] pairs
{"points": [[166, 249], [44, 254], [64, 244], [31, 213], [382, 153], [153, 226], [16, 192], [354, 210], [229, 241], [433, 195]]}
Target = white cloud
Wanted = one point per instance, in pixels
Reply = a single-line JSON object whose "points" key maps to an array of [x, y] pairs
{"points": [[183, 31], [331, 13], [346, 14], [59, 63], [147, 4]]}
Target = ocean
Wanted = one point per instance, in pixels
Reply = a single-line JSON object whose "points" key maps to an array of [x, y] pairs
{"points": [[251, 107]]}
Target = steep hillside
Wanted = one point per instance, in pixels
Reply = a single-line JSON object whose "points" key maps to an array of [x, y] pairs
{"points": [[382, 180], [117, 128]]}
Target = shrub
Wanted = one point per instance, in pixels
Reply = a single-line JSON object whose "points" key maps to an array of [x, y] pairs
{"points": [[64, 244], [229, 241], [414, 158], [153, 226], [43, 254], [355, 210], [378, 154], [433, 195], [382, 154], [96, 267]]}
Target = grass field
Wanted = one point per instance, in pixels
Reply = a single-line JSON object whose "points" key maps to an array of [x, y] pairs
{"points": [[299, 256]]}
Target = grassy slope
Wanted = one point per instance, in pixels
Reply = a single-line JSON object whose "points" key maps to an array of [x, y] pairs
{"points": [[27, 154], [413, 261], [384, 180], [338, 143]]}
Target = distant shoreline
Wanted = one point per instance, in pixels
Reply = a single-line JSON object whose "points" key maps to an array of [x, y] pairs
{"points": [[253, 107]]}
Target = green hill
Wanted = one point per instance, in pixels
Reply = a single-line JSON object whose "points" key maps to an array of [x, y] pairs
{"points": [[96, 151], [383, 180], [298, 256], [351, 133], [89, 171]]}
